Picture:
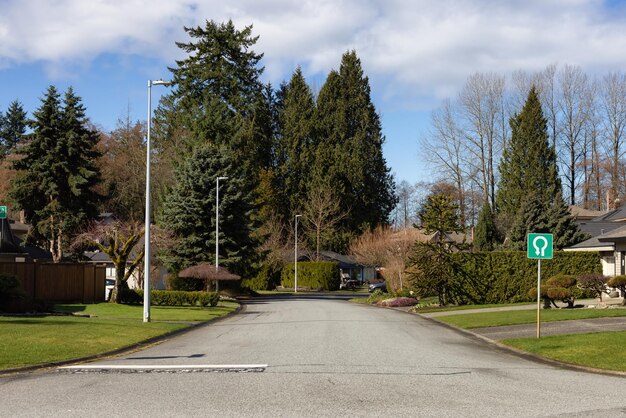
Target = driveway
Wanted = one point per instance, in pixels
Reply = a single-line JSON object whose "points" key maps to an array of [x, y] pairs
{"points": [[301, 357]]}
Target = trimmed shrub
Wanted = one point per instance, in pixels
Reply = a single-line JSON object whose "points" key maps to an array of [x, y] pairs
{"points": [[620, 283], [267, 278], [561, 280], [397, 302], [506, 276], [188, 284], [10, 289], [314, 275], [131, 296], [180, 298]]}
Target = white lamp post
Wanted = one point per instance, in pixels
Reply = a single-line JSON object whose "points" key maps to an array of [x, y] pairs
{"points": [[295, 261], [217, 227], [146, 254]]}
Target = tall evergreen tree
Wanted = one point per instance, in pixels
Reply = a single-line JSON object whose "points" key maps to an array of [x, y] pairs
{"points": [[349, 126], [12, 128], [528, 166], [486, 233], [56, 174], [217, 94], [190, 212], [529, 181], [297, 139]]}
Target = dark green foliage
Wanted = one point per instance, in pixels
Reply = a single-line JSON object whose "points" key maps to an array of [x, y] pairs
{"points": [[432, 264], [12, 128], [507, 276], [57, 173], [217, 96], [129, 296], [562, 280], [486, 233], [10, 289], [187, 284], [562, 225], [297, 143], [173, 297], [350, 147], [190, 213], [267, 278], [312, 275], [529, 183]]}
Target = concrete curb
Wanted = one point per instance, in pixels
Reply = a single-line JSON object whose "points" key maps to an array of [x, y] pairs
{"points": [[125, 350]]}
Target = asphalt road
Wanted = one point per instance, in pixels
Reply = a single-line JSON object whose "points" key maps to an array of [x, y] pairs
{"points": [[325, 358]]}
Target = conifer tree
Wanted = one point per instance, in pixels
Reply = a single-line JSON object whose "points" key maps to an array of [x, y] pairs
{"points": [[297, 139], [528, 165], [12, 128], [350, 145], [57, 173], [486, 233], [190, 212]]}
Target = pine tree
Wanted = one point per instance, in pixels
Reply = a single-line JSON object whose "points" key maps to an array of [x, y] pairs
{"points": [[56, 174], [486, 233], [190, 212], [431, 261], [562, 225], [350, 147], [297, 139], [529, 183], [528, 165], [12, 128]]}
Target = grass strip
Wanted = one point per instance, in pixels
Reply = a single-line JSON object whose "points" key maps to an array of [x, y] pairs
{"points": [[28, 341], [428, 309], [603, 350], [495, 319]]}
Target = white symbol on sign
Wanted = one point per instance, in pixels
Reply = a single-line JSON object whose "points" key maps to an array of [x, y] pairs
{"points": [[540, 250]]}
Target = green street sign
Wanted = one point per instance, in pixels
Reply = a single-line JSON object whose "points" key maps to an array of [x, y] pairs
{"points": [[3, 212], [539, 246]]}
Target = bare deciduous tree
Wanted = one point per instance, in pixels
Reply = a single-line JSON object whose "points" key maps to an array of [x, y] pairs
{"points": [[322, 213], [613, 105]]}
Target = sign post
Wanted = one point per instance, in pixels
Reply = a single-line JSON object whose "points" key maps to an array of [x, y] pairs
{"points": [[3, 212], [539, 247]]}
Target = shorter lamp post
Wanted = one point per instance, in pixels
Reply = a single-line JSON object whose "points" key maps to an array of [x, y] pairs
{"points": [[296, 258], [217, 228]]}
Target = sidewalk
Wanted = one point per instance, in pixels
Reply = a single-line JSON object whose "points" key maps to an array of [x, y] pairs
{"points": [[577, 326], [587, 302]]}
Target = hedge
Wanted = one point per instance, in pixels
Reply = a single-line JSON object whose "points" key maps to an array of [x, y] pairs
{"points": [[313, 275], [506, 276], [173, 297], [266, 279]]}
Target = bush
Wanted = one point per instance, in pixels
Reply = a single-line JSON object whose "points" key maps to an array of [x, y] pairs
{"points": [[314, 275], [593, 284], [506, 276], [267, 278], [10, 289], [180, 298], [130, 296], [620, 283], [561, 280], [188, 284], [397, 302]]}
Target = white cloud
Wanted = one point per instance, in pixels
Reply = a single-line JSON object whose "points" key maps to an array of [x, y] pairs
{"points": [[410, 49]]}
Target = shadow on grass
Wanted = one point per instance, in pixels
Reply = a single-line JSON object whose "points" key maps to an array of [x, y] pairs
{"points": [[70, 308]]}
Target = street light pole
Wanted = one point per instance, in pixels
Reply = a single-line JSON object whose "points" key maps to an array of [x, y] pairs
{"points": [[146, 253], [295, 261], [217, 229]]}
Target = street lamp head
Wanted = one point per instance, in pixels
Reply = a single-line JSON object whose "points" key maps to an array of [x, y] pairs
{"points": [[298, 216], [222, 178], [160, 82]]}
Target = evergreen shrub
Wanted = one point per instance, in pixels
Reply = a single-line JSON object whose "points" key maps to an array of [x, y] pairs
{"points": [[10, 289], [172, 297], [266, 279], [314, 275], [506, 276]]}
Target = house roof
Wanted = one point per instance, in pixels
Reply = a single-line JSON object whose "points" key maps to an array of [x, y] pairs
{"points": [[603, 242], [618, 234], [345, 261], [585, 214]]}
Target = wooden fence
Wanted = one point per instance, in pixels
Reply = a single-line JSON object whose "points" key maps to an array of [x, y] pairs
{"points": [[57, 282]]}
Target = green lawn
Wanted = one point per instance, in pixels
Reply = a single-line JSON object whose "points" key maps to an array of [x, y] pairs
{"points": [[495, 319], [599, 350], [27, 341], [428, 309]]}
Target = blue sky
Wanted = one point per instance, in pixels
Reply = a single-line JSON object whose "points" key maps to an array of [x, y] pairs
{"points": [[415, 53]]}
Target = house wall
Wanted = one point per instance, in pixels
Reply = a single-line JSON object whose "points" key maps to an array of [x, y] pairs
{"points": [[608, 263]]}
